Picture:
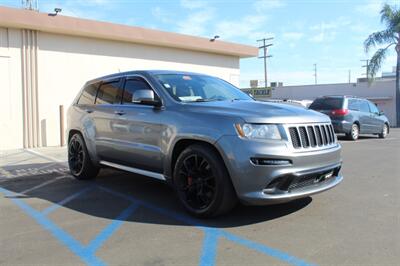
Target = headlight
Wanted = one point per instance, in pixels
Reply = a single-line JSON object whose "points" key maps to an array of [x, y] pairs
{"points": [[258, 131]]}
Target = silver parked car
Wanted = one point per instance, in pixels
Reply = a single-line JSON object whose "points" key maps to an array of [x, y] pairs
{"points": [[214, 144]]}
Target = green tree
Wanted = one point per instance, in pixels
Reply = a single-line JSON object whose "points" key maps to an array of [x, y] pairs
{"points": [[390, 16]]}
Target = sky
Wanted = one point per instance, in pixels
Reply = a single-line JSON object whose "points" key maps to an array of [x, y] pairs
{"points": [[306, 32]]}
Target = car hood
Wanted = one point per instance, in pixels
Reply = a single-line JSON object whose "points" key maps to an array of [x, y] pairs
{"points": [[259, 112]]}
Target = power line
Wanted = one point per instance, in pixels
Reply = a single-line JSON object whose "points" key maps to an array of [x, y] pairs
{"points": [[265, 46]]}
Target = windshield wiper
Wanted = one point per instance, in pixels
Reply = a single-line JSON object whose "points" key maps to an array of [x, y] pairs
{"points": [[206, 100]]}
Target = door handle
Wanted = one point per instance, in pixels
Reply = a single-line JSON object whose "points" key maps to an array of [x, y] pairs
{"points": [[89, 111], [119, 112]]}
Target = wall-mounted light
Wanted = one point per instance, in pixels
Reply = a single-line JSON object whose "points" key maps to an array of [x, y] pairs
{"points": [[213, 39], [56, 11]]}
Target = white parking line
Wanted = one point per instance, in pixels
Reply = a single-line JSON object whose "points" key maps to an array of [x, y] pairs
{"points": [[43, 184], [46, 166], [50, 158]]}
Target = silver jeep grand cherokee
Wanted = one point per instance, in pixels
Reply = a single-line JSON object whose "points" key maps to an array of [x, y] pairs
{"points": [[213, 143]]}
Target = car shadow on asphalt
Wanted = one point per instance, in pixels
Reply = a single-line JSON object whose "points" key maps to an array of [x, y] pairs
{"points": [[114, 191]]}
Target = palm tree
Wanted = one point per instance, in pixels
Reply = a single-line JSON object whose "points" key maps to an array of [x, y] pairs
{"points": [[390, 15]]}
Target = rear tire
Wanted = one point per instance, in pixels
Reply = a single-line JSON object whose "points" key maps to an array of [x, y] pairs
{"points": [[354, 133], [385, 131], [79, 162], [202, 182]]}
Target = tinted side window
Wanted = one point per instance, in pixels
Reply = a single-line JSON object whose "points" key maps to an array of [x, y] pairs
{"points": [[132, 85], [327, 104], [354, 104], [373, 108], [88, 94], [364, 106], [109, 93]]}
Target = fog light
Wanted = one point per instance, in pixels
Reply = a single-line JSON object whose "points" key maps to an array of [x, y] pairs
{"points": [[262, 161]]}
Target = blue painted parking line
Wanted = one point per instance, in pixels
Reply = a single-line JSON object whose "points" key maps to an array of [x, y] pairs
{"points": [[210, 242], [264, 249], [55, 206], [210, 245], [87, 253], [96, 243], [77, 248]]}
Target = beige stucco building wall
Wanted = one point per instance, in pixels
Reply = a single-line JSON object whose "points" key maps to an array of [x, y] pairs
{"points": [[11, 126], [41, 69], [66, 62]]}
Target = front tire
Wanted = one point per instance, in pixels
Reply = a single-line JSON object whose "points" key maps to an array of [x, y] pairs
{"points": [[79, 162], [354, 133], [202, 182], [385, 131]]}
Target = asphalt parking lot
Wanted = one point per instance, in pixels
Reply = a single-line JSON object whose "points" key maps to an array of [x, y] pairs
{"points": [[47, 217]]}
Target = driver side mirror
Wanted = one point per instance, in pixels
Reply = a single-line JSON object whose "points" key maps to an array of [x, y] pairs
{"points": [[381, 113], [145, 97]]}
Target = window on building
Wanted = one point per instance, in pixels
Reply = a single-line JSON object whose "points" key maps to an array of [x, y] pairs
{"points": [[132, 85], [88, 94], [109, 93]]}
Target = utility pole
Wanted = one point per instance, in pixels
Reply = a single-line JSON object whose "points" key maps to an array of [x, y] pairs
{"points": [[315, 73], [265, 46], [367, 74], [30, 4]]}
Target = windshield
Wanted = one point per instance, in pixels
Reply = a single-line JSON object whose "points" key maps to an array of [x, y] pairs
{"points": [[327, 104], [199, 88]]}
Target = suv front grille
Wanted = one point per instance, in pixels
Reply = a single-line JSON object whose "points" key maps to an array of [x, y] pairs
{"points": [[312, 136]]}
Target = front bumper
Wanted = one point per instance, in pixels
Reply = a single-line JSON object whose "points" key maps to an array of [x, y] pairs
{"points": [[307, 173]]}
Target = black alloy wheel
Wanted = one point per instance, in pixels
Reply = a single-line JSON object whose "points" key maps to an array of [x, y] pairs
{"points": [[76, 156], [79, 161], [197, 182], [202, 182]]}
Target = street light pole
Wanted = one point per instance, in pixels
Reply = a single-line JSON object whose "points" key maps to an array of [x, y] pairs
{"points": [[265, 46]]}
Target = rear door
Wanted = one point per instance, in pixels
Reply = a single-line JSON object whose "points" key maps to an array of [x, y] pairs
{"points": [[366, 121], [376, 120], [85, 108], [108, 96]]}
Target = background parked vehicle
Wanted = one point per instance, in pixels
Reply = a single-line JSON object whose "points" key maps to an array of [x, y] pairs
{"points": [[353, 116]]}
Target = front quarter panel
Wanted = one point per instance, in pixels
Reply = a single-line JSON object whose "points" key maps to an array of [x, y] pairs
{"points": [[186, 125]]}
